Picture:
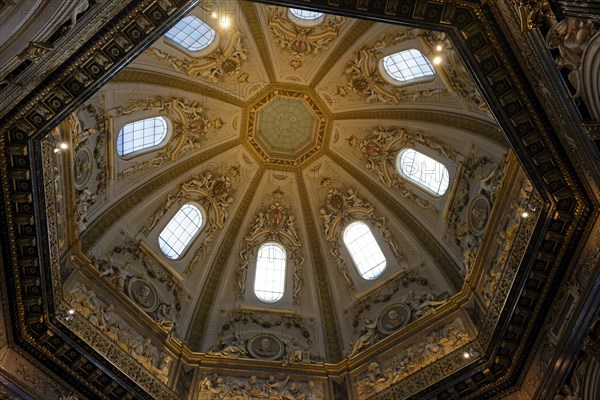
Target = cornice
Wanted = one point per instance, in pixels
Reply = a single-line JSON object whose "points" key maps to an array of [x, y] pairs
{"points": [[38, 331]]}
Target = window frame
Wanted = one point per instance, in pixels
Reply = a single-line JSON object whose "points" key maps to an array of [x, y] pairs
{"points": [[416, 183], [209, 48], [192, 239], [354, 260], [388, 77], [283, 273], [145, 150]]}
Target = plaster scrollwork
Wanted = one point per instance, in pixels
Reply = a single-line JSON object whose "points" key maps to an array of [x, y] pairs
{"points": [[191, 124], [86, 162], [102, 316], [464, 230], [35, 51], [438, 343], [340, 208], [292, 346], [571, 37], [274, 221], [253, 388], [411, 307], [507, 234], [138, 287], [364, 80], [381, 147], [299, 41], [214, 191], [532, 13], [225, 61], [38, 381]]}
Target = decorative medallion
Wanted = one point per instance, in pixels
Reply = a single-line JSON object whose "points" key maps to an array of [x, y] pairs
{"points": [[83, 165], [394, 317], [479, 213], [143, 293], [265, 346], [286, 127]]}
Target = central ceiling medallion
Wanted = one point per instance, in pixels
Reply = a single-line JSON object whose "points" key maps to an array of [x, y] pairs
{"points": [[286, 127]]}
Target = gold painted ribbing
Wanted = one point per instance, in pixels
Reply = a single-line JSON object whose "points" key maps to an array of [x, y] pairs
{"points": [[131, 75], [198, 326], [329, 320]]}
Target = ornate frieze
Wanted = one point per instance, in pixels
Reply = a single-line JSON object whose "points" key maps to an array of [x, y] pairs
{"points": [[395, 316], [124, 275], [284, 338], [437, 344], [102, 315], [302, 43], [191, 124], [380, 149], [213, 387], [364, 80], [227, 60], [273, 222], [386, 293], [342, 206], [472, 206]]}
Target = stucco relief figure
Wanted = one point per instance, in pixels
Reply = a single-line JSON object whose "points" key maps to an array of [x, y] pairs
{"points": [[571, 36], [165, 316], [367, 338], [242, 272], [235, 349]]}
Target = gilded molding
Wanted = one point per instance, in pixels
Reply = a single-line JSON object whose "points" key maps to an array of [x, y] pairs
{"points": [[251, 17], [152, 78], [487, 130]]}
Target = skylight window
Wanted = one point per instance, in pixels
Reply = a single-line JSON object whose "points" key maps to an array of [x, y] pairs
{"points": [[192, 34], [269, 283], [424, 171], [179, 232], [141, 135], [408, 66], [305, 14], [364, 250], [305, 18]]}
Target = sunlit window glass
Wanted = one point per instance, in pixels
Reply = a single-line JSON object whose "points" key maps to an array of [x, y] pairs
{"points": [[364, 250], [179, 232], [269, 283], [408, 65], [141, 135], [424, 171], [191, 33], [305, 14]]}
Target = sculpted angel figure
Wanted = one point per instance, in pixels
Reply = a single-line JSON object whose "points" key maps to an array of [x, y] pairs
{"points": [[367, 338]]}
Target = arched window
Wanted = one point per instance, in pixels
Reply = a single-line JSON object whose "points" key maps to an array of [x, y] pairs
{"points": [[305, 17], [424, 171], [408, 66], [269, 283], [181, 229], [364, 250], [191, 33], [141, 135]]}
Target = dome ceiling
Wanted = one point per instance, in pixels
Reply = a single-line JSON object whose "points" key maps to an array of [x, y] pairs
{"points": [[285, 132]]}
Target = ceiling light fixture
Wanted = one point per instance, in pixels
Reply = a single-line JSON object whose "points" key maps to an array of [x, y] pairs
{"points": [[63, 145], [439, 47], [437, 60], [214, 14]]}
